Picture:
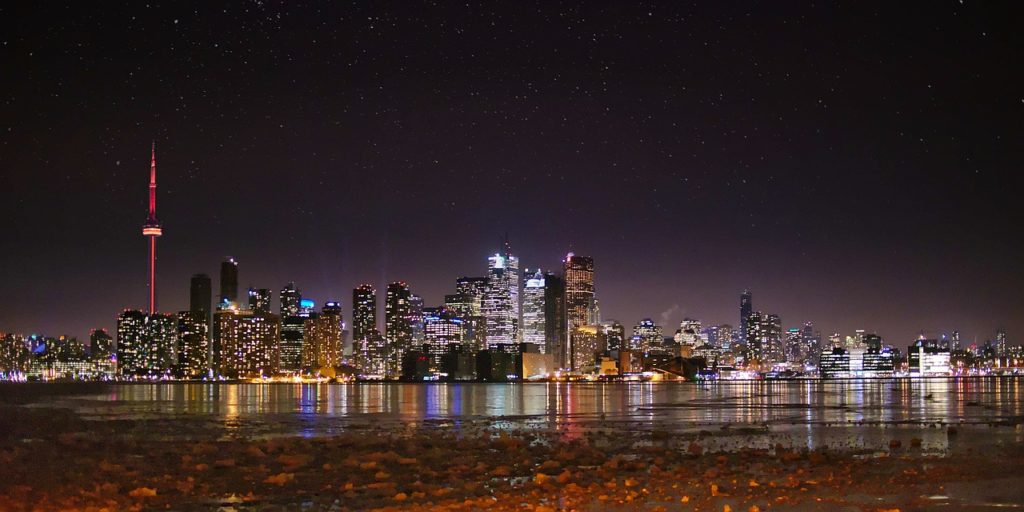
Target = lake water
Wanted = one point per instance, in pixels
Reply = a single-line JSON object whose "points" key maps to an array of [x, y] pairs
{"points": [[847, 414]]}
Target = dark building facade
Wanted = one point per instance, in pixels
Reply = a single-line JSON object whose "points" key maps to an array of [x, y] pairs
{"points": [[201, 296], [229, 280]]}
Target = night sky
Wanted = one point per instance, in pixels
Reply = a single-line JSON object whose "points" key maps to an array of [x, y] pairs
{"points": [[855, 165]]}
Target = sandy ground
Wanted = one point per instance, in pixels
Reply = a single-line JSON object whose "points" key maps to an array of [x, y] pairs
{"points": [[50, 459]]}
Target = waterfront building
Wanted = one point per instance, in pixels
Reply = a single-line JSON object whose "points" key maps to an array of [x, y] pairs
{"points": [[878, 362], [250, 343], [322, 346], [193, 344], [15, 356], [928, 358], [587, 342], [146, 343], [834, 363]]}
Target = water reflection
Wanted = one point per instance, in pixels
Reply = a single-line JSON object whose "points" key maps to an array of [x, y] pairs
{"points": [[809, 412]]}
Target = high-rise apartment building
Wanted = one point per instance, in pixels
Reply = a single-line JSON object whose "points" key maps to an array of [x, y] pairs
{"points": [[322, 347], [146, 344], [249, 345], [764, 339], [193, 343], [368, 347], [397, 326]]}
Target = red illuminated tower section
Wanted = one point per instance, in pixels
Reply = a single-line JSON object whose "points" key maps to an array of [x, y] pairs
{"points": [[151, 229]]}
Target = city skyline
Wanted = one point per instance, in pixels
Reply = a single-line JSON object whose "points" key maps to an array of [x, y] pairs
{"points": [[229, 284], [688, 159]]}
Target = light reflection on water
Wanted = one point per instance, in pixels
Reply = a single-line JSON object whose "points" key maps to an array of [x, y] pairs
{"points": [[807, 412]]}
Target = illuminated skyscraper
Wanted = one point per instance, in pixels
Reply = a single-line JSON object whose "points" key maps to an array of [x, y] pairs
{"points": [[764, 339], [323, 338], [152, 230], [291, 299], [293, 334], [442, 333], [501, 301], [193, 343], [250, 343], [228, 281], [146, 343], [368, 348], [587, 341], [534, 330], [397, 326], [468, 304], [579, 295]]}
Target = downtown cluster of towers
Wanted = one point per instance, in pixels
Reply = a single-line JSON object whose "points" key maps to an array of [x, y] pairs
{"points": [[552, 317]]}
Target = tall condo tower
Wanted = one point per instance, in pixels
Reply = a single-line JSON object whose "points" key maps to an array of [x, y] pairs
{"points": [[151, 230]]}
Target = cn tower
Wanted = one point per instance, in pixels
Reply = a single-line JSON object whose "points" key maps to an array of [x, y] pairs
{"points": [[151, 229]]}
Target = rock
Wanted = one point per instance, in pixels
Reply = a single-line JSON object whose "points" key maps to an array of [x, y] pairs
{"points": [[280, 478], [142, 492]]}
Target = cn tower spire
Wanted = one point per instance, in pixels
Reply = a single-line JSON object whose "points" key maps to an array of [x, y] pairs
{"points": [[152, 184], [151, 230]]}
